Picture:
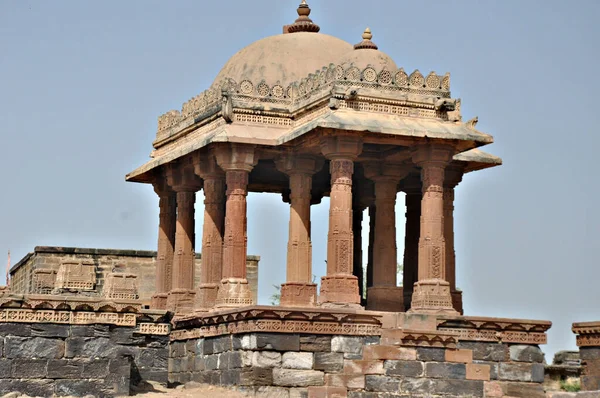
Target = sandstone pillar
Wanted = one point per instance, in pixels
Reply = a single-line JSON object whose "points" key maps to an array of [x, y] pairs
{"points": [[237, 161], [453, 176], [299, 289], [385, 295], [432, 292], [166, 242], [212, 232], [412, 187], [185, 183], [340, 287]]}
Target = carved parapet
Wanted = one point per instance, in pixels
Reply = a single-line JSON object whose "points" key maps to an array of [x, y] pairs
{"points": [[76, 275], [44, 280], [121, 286]]}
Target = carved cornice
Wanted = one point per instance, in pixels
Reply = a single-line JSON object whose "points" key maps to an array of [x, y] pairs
{"points": [[276, 319], [588, 333]]}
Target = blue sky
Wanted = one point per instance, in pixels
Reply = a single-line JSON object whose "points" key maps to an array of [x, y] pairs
{"points": [[82, 85]]}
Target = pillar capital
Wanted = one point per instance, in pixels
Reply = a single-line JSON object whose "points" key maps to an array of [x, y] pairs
{"points": [[298, 164], [206, 167], [453, 175], [181, 177], [341, 147], [236, 157], [161, 186], [380, 170], [433, 154]]}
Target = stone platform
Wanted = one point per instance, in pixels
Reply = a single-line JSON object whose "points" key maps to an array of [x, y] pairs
{"points": [[313, 352]]}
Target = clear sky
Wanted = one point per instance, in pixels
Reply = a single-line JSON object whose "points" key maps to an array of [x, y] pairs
{"points": [[82, 85]]}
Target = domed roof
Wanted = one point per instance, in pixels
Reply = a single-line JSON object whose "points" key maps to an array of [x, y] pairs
{"points": [[285, 58], [366, 53]]}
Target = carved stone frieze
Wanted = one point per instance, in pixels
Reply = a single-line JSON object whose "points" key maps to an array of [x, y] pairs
{"points": [[121, 286], [495, 329], [76, 275], [154, 328], [588, 334], [44, 280]]}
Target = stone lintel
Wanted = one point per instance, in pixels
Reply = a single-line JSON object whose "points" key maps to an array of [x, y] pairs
{"points": [[381, 170], [205, 166], [297, 163], [236, 157], [341, 147], [433, 152], [181, 176]]}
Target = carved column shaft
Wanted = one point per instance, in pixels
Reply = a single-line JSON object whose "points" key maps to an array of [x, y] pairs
{"points": [[385, 251], [235, 243], [411, 243], [166, 242], [183, 261], [453, 176], [299, 254]]}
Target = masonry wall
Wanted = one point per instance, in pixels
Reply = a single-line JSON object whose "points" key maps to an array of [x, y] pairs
{"points": [[44, 359], [295, 365], [139, 262]]}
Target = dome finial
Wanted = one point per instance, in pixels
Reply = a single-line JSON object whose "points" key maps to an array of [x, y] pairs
{"points": [[303, 23], [366, 42]]}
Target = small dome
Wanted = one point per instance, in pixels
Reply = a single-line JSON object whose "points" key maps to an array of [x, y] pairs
{"points": [[284, 59], [366, 53]]}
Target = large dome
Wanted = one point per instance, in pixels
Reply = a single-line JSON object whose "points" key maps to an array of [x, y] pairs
{"points": [[284, 58]]}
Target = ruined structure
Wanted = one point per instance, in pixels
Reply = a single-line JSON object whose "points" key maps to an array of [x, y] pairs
{"points": [[307, 115]]}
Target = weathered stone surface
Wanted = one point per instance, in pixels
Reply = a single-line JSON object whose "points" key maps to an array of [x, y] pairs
{"points": [[222, 344], [587, 353], [125, 336], [37, 347], [5, 368], [64, 369], [256, 377], [347, 344], [211, 362], [363, 367], [266, 359], [277, 342], [248, 342], [445, 370], [91, 347], [515, 371], [526, 353], [32, 388], [429, 354], [15, 329], [298, 393], [537, 373], [177, 349], [524, 390], [152, 358], [382, 383], [457, 388], [478, 372], [493, 368], [459, 356], [119, 371], [95, 369], [268, 392], [297, 378], [327, 392], [493, 352], [223, 363], [236, 360], [403, 368], [329, 362], [230, 377], [315, 343], [354, 381], [29, 368], [297, 360], [80, 388], [49, 330], [376, 352]]}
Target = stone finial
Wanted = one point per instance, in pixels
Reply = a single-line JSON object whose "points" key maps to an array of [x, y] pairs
{"points": [[366, 43], [303, 23]]}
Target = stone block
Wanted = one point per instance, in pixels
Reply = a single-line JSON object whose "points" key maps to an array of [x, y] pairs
{"points": [[493, 389], [524, 390], [199, 364], [125, 336], [199, 347], [297, 378], [315, 343], [256, 377], [403, 368], [248, 342], [269, 392], [159, 376], [32, 388], [330, 362], [377, 352], [478, 372], [5, 368], [222, 344], [354, 381], [297, 360], [457, 388], [64, 369], [236, 360], [346, 344], [15, 329], [230, 377], [211, 362], [81, 388], [177, 349], [277, 342], [459, 356], [119, 371], [49, 330], [537, 373], [266, 359], [515, 371], [81, 331], [429, 354], [590, 383], [363, 367], [29, 368], [151, 358], [493, 368], [444, 370], [91, 347], [326, 392], [526, 353], [95, 369], [382, 383], [299, 392], [588, 353], [223, 362], [36, 347], [492, 352]]}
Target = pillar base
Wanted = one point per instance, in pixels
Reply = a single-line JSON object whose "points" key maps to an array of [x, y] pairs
{"points": [[339, 289], [432, 296], [295, 294], [181, 301], [234, 292], [457, 301], [159, 301], [385, 298], [206, 296]]}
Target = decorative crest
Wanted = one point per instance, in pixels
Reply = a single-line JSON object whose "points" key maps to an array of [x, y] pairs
{"points": [[303, 23], [366, 43]]}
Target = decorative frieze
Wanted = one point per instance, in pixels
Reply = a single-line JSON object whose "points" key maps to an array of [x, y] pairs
{"points": [[67, 317], [154, 328], [496, 329], [121, 286], [588, 334], [76, 275], [44, 280]]}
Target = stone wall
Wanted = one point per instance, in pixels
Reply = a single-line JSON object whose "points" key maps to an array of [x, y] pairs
{"points": [[310, 365], [142, 263], [42, 359]]}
